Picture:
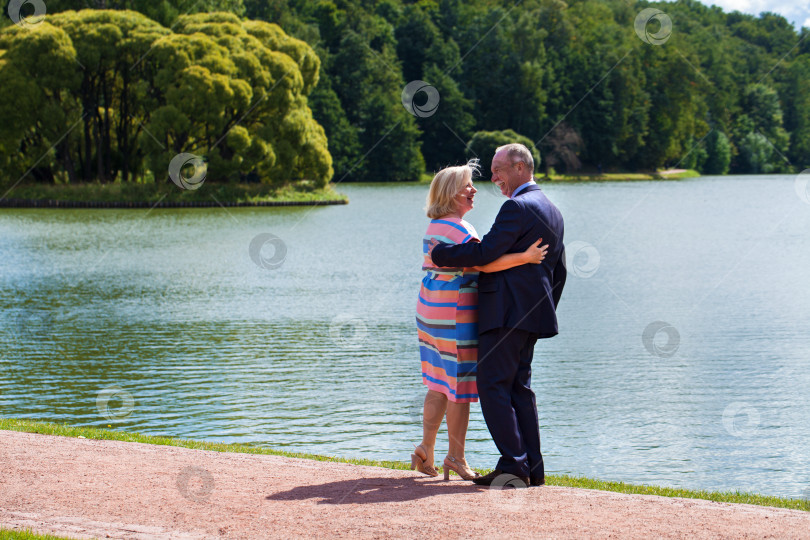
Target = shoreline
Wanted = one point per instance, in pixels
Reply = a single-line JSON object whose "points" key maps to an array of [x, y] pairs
{"points": [[96, 488], [135, 195], [579, 482], [666, 175], [51, 203], [151, 195]]}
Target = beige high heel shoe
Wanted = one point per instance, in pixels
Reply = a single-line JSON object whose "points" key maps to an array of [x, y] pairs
{"points": [[417, 463], [451, 463]]}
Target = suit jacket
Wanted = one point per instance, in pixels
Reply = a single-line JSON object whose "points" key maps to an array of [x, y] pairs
{"points": [[524, 297]]}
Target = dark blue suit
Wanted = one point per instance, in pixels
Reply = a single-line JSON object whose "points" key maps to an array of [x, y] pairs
{"points": [[516, 307]]}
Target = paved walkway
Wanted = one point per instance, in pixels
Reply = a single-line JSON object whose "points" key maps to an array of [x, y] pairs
{"points": [[88, 488]]}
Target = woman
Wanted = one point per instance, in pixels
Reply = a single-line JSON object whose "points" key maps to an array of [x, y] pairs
{"points": [[447, 320]]}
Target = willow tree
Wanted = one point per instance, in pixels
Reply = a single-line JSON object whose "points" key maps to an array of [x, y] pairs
{"points": [[39, 77], [230, 91], [163, 11]]}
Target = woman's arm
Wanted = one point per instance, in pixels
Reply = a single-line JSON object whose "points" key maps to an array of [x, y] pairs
{"points": [[534, 255]]}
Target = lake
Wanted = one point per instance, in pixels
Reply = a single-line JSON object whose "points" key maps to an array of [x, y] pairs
{"points": [[683, 357]]}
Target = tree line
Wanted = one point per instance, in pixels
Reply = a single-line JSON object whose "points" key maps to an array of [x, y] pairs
{"points": [[724, 92], [582, 81]]}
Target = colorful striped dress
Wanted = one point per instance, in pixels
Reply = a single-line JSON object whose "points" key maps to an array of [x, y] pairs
{"points": [[447, 318]]}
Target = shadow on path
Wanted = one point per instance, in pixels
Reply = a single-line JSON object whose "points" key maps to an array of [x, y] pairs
{"points": [[376, 490]]}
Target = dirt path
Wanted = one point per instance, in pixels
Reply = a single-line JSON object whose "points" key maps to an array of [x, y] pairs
{"points": [[89, 488]]}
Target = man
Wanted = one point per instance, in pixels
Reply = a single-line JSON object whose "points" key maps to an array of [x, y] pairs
{"points": [[516, 307]]}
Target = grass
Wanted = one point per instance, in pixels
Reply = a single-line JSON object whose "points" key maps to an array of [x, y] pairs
{"points": [[209, 192], [65, 430], [27, 534]]}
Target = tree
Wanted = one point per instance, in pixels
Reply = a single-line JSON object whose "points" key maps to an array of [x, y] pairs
{"points": [[165, 12], [797, 111], [249, 75], [561, 148], [371, 96], [445, 132], [119, 94], [755, 154], [343, 137], [39, 70], [526, 66], [483, 145], [718, 153], [491, 71]]}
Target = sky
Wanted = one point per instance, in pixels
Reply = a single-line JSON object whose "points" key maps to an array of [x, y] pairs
{"points": [[795, 11]]}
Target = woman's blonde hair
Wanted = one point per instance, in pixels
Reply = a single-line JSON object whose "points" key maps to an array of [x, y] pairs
{"points": [[445, 186]]}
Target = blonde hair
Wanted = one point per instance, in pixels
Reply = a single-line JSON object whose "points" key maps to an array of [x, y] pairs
{"points": [[445, 186]]}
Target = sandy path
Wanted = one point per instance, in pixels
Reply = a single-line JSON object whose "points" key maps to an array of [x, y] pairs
{"points": [[89, 488]]}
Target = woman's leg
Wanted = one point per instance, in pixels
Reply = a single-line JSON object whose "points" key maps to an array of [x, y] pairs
{"points": [[458, 416], [435, 407]]}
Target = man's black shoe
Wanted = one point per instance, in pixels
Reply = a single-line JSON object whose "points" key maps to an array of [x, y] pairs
{"points": [[538, 480], [501, 479]]}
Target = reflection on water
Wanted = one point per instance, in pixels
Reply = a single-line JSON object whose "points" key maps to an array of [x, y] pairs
{"points": [[682, 359]]}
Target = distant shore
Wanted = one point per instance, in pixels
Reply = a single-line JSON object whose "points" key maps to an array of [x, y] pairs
{"points": [[150, 195], [134, 195], [669, 174], [33, 203]]}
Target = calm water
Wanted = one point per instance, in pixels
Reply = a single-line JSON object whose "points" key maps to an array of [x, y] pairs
{"points": [[683, 358]]}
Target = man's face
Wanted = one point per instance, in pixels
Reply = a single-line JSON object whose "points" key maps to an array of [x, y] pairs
{"points": [[507, 175]]}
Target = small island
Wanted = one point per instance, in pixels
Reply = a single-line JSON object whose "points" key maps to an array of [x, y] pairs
{"points": [[134, 195]]}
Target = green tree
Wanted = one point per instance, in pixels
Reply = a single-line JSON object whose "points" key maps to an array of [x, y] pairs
{"points": [[245, 75], [718, 153], [371, 96], [756, 154], [491, 71], [343, 137], [758, 133], [528, 67], [483, 145], [113, 90], [797, 111], [165, 12], [38, 74], [762, 105], [120, 95], [445, 132]]}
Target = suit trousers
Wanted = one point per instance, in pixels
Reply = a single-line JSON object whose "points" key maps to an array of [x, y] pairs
{"points": [[507, 400]]}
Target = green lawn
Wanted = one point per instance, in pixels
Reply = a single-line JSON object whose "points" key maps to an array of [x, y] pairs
{"points": [[553, 480], [27, 534]]}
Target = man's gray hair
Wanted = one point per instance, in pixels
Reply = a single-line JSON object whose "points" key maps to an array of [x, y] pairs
{"points": [[518, 152]]}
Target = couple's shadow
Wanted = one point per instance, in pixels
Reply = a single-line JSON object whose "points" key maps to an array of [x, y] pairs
{"points": [[376, 490]]}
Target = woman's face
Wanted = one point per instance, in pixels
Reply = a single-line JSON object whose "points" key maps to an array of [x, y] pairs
{"points": [[464, 199]]}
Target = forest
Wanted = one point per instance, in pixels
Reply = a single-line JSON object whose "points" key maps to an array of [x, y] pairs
{"points": [[284, 90]]}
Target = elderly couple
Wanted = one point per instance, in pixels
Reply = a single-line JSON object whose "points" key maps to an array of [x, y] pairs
{"points": [[477, 331]]}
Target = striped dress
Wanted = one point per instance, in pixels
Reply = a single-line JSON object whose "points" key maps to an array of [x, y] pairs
{"points": [[447, 318]]}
